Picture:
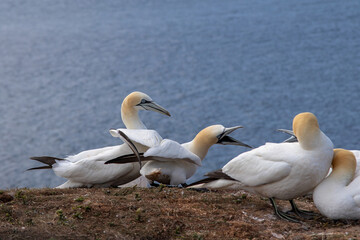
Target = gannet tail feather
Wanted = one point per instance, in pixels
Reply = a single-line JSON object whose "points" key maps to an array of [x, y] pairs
{"points": [[46, 160], [202, 181], [212, 176], [219, 174], [49, 161]]}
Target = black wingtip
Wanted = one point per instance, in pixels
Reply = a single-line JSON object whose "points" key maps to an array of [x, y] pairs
{"points": [[202, 181], [111, 161], [132, 146], [212, 176], [218, 174], [37, 168]]}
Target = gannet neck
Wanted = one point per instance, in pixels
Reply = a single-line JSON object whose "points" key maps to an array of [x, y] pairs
{"points": [[131, 119], [199, 150], [130, 113], [204, 140], [344, 166], [306, 129]]}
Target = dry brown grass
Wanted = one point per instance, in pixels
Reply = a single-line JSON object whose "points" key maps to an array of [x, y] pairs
{"points": [[156, 213]]}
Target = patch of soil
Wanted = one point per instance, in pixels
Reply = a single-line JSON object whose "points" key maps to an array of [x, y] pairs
{"points": [[156, 213], [5, 197]]}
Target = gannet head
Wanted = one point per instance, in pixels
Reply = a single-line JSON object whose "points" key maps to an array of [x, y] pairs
{"points": [[214, 134], [131, 105], [218, 134], [141, 101], [306, 129], [344, 163]]}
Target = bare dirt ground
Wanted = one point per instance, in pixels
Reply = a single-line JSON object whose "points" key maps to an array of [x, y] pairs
{"points": [[156, 213]]}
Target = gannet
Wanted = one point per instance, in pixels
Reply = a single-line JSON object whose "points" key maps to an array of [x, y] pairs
{"points": [[338, 195], [279, 170], [173, 163], [87, 168], [355, 152]]}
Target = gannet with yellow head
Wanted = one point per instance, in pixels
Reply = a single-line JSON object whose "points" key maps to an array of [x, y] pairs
{"points": [[355, 152], [87, 168], [172, 163], [131, 106], [279, 170], [338, 195]]}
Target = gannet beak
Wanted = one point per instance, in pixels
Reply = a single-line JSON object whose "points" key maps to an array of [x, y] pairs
{"points": [[227, 140], [291, 133], [152, 106], [114, 133]]}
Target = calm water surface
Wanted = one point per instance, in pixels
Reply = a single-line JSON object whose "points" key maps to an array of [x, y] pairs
{"points": [[66, 66]]}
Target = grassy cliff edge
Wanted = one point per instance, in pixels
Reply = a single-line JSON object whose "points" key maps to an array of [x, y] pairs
{"points": [[155, 213]]}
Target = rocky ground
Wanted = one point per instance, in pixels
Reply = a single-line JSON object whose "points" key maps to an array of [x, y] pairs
{"points": [[156, 213]]}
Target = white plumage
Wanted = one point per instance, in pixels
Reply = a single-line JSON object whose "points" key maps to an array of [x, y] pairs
{"points": [[173, 163], [87, 168], [146, 137], [171, 150], [280, 170], [338, 196]]}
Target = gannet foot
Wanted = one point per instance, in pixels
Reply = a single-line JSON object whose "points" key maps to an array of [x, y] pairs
{"points": [[283, 215], [184, 185], [287, 217], [301, 213]]}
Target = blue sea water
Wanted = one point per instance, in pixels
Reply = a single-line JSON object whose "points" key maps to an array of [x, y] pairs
{"points": [[65, 67]]}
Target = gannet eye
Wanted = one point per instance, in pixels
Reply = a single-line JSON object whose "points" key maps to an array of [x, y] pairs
{"points": [[144, 101]]}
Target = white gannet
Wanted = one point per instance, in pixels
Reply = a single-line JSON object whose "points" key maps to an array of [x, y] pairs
{"points": [[173, 163], [355, 152], [87, 168], [279, 170], [338, 195]]}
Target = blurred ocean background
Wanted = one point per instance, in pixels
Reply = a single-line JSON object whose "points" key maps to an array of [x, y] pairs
{"points": [[65, 67]]}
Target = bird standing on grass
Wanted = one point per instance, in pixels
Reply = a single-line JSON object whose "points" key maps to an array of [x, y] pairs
{"points": [[279, 170]]}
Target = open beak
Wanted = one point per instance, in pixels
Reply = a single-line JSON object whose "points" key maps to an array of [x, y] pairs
{"points": [[291, 133], [227, 140], [152, 106]]}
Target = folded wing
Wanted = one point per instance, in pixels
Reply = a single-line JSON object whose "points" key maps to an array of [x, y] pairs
{"points": [[258, 167]]}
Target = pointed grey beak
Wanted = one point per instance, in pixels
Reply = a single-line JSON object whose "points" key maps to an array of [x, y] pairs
{"points": [[152, 106], [224, 139], [291, 133]]}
